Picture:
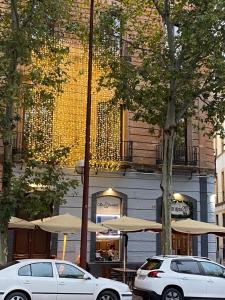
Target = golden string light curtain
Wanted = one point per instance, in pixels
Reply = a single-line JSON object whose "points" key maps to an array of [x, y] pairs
{"points": [[65, 126]]}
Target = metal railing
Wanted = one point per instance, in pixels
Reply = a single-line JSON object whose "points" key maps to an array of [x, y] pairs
{"points": [[125, 149], [185, 156]]}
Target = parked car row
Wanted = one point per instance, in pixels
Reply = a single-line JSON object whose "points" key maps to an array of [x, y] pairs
{"points": [[159, 278]]}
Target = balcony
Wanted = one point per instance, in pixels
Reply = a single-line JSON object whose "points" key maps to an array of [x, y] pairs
{"points": [[182, 156], [126, 151], [108, 151], [122, 152], [18, 147]]}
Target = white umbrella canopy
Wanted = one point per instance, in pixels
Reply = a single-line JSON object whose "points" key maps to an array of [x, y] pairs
{"points": [[129, 224], [65, 223], [193, 227], [20, 223]]}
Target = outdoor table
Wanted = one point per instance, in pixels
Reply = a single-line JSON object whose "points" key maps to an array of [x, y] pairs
{"points": [[128, 275]]}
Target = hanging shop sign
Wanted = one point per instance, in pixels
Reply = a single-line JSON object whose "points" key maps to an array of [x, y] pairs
{"points": [[108, 205], [180, 209]]}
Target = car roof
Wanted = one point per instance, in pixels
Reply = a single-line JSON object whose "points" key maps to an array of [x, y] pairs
{"points": [[30, 260], [164, 257]]}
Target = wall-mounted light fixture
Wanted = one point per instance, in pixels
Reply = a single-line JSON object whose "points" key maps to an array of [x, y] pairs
{"points": [[79, 168], [177, 197]]}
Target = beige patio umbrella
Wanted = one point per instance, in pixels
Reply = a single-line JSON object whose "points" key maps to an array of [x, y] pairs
{"points": [[20, 223], [128, 224], [192, 227], [66, 224]]}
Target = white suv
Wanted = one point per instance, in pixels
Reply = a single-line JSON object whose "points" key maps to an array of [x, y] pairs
{"points": [[180, 277]]}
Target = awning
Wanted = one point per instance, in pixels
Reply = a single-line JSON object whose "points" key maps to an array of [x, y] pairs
{"points": [[190, 226], [20, 223]]}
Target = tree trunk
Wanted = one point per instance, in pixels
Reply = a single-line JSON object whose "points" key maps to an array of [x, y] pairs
{"points": [[3, 244], [167, 192], [6, 202]]}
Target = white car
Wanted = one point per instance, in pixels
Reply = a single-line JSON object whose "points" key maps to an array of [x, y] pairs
{"points": [[46, 279], [180, 277]]}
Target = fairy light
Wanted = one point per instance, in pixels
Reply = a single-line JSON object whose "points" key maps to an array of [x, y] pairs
{"points": [[66, 125]]}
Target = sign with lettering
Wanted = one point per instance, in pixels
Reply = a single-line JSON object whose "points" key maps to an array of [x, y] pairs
{"points": [[108, 205], [181, 209]]}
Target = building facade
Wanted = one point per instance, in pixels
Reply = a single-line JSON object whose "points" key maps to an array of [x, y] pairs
{"points": [[125, 176], [220, 196]]}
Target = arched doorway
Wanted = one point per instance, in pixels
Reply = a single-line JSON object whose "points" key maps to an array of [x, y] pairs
{"points": [[185, 207], [109, 204]]}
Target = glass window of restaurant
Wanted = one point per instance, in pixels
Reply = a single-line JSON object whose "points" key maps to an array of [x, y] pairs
{"points": [[108, 244]]}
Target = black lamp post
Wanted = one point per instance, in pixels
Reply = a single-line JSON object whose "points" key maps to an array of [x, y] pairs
{"points": [[83, 247]]}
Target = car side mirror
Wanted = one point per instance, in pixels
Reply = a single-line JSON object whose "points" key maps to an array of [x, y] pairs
{"points": [[86, 277], [224, 274]]}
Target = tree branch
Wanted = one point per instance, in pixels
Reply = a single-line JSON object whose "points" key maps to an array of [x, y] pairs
{"points": [[30, 14], [157, 6], [15, 15]]}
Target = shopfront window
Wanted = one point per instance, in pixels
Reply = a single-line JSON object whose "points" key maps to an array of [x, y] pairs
{"points": [[108, 243]]}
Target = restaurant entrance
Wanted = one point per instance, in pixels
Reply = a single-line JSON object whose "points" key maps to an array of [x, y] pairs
{"points": [[181, 244], [31, 244]]}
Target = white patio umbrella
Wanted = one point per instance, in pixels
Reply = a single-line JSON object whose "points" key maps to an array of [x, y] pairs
{"points": [[65, 224], [20, 223], [128, 224], [193, 227]]}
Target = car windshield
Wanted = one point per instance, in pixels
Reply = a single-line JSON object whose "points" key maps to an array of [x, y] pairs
{"points": [[152, 264], [7, 265]]}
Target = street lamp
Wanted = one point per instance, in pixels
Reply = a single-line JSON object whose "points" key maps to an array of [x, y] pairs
{"points": [[83, 245]]}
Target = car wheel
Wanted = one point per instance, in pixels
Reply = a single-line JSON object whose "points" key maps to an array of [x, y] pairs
{"points": [[172, 294], [107, 295], [16, 296]]}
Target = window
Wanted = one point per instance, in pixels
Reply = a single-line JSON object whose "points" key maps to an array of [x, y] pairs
{"points": [[25, 271], [152, 264], [68, 271], [42, 270], [222, 184], [211, 269], [108, 243], [37, 270], [185, 266]]}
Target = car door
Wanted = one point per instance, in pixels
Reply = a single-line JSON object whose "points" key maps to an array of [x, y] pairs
{"points": [[214, 276], [190, 278], [71, 283], [39, 279]]}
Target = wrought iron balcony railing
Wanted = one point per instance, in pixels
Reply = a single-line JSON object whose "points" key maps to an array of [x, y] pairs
{"points": [[123, 151], [126, 151], [18, 146], [183, 156]]}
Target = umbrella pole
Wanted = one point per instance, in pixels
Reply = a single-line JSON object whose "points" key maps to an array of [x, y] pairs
{"points": [[64, 246], [125, 237], [188, 244], [124, 259]]}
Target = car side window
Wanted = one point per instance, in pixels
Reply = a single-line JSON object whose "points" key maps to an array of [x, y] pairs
{"points": [[211, 269], [68, 271], [185, 266], [25, 271], [43, 269]]}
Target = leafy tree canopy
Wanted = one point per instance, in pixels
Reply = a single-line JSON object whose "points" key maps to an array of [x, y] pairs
{"points": [[159, 51]]}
